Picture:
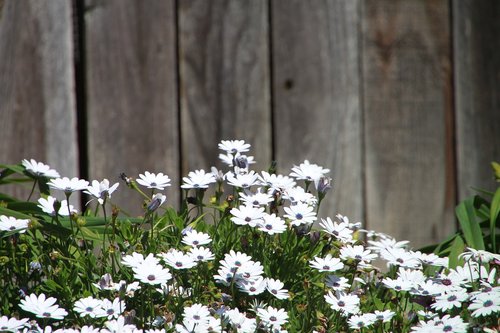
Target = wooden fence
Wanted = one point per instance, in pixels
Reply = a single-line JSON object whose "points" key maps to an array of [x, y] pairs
{"points": [[399, 98]]}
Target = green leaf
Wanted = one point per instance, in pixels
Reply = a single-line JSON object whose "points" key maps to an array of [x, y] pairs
{"points": [[456, 248], [494, 213], [496, 169], [16, 214], [466, 215]]}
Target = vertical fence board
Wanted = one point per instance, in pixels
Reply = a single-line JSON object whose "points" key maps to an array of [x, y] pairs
{"points": [[131, 91], [224, 79], [476, 30], [317, 95], [37, 102], [407, 102]]}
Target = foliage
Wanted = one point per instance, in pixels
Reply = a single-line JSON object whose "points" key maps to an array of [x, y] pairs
{"points": [[241, 255]]}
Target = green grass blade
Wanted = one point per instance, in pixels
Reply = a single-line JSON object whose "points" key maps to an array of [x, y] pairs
{"points": [[494, 213], [466, 215]]}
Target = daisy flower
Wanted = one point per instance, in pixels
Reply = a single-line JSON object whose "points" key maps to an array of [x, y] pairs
{"points": [[340, 231], [346, 304], [240, 322], [156, 201], [308, 171], [113, 309], [258, 198], [357, 252], [484, 305], [244, 181], [275, 287], [152, 274], [479, 255], [276, 183], [201, 254], [101, 190], [247, 215], [384, 316], [89, 306], [400, 257], [272, 224], [47, 205], [39, 169], [68, 185], [43, 307], [298, 195], [272, 317], [337, 283], [234, 146], [300, 214], [253, 287], [198, 179], [327, 264], [195, 238], [431, 259], [178, 260], [361, 321], [151, 180], [386, 243], [10, 223], [197, 313], [12, 324], [119, 325], [448, 301]]}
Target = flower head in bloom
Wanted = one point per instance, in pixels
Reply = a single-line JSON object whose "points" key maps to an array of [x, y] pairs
{"points": [[300, 214], [101, 190], [297, 195], [276, 183], [198, 179], [346, 304], [247, 215], [151, 274], [43, 307], [89, 306], [201, 254], [195, 238], [197, 313], [339, 230], [327, 264], [400, 257], [479, 255], [12, 324], [68, 185], [178, 259], [272, 224], [337, 283], [118, 325], [444, 324], [384, 316], [450, 300], [363, 320], [136, 259], [47, 205], [244, 180], [234, 146], [275, 287], [358, 253], [39, 169], [258, 198], [308, 171], [154, 180], [113, 309], [272, 317], [485, 304], [9, 223], [240, 322]]}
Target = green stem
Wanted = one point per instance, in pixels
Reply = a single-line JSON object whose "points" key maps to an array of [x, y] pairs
{"points": [[32, 189]]}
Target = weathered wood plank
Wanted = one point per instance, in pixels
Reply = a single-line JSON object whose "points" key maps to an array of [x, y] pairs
{"points": [[317, 95], [224, 79], [37, 100], [132, 93], [407, 116], [476, 31]]}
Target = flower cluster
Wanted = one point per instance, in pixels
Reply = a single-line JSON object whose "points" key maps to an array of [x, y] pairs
{"points": [[254, 257]]}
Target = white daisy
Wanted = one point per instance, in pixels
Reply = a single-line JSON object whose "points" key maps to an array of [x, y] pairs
{"points": [[68, 185], [43, 307], [327, 264], [12, 324], [198, 179], [275, 287], [113, 309], [39, 169], [178, 259], [152, 274], [10, 223], [234, 146], [244, 181], [308, 171], [448, 301], [276, 183], [151, 180], [337, 283], [89, 306], [195, 238], [101, 190], [361, 321], [201, 254], [257, 198], [272, 224], [346, 304], [300, 214], [47, 205], [247, 215], [272, 317]]}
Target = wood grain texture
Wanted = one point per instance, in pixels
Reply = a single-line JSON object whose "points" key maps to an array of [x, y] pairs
{"points": [[317, 95], [37, 100], [407, 106], [224, 79], [476, 30], [132, 93]]}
